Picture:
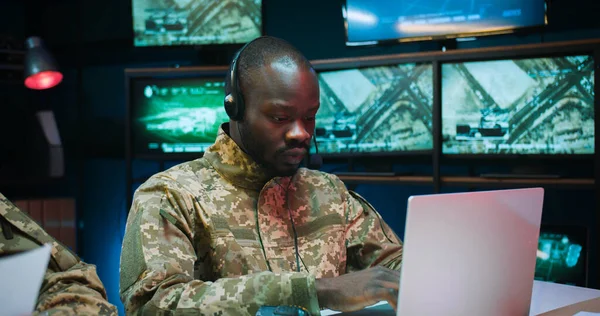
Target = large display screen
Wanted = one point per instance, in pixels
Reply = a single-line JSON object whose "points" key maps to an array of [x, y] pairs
{"points": [[542, 106], [375, 109], [380, 20], [174, 116], [562, 255], [196, 22]]}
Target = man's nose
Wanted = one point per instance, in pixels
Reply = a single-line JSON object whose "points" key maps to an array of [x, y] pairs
{"points": [[298, 133]]}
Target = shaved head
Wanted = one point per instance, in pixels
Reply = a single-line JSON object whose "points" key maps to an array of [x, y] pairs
{"points": [[263, 52]]}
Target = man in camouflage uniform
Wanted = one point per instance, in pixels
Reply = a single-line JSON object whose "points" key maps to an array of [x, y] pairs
{"points": [[70, 286], [244, 226]]}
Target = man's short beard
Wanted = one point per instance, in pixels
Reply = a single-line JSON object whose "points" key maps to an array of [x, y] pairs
{"points": [[256, 150]]}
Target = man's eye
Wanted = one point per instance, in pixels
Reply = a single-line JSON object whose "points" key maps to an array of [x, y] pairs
{"points": [[310, 118], [279, 118]]}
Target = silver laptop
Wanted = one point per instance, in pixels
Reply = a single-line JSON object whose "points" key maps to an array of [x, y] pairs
{"points": [[470, 253]]}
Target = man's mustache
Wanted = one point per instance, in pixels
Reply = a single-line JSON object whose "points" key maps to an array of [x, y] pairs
{"points": [[305, 145]]}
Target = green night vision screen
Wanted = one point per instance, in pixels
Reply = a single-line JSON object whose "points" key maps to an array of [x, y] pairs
{"points": [[176, 115]]}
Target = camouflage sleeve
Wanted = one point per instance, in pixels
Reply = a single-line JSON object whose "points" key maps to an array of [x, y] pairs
{"points": [[370, 241], [70, 286], [76, 291], [159, 259]]}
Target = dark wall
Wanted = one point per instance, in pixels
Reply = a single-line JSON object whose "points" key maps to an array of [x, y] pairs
{"points": [[91, 40]]}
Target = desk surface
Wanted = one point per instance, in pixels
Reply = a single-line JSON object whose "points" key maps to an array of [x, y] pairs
{"points": [[544, 298], [549, 296]]}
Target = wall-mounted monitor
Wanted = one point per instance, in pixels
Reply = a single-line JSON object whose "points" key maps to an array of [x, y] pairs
{"points": [[196, 22], [370, 22], [374, 110], [532, 106], [174, 116], [562, 255]]}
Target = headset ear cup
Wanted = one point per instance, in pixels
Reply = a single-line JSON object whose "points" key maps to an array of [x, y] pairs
{"points": [[230, 107], [235, 110], [234, 101]]}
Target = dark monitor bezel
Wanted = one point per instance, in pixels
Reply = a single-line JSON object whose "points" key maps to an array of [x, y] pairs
{"points": [[132, 74], [442, 37]]}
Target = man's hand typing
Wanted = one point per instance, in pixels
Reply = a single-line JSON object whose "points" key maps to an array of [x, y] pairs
{"points": [[357, 290]]}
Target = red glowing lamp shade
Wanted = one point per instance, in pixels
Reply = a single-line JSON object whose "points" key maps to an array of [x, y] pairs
{"points": [[43, 80], [41, 71]]}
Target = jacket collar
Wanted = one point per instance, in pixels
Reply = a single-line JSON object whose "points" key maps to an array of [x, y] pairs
{"points": [[232, 163]]}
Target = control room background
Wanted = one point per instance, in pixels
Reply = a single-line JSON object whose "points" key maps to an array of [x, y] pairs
{"points": [[92, 42]]}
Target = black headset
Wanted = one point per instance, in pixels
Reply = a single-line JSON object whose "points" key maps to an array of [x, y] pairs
{"points": [[234, 101]]}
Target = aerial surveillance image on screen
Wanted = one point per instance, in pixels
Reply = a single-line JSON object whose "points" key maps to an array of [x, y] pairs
{"points": [[380, 20], [176, 116], [376, 109], [541, 106], [196, 22], [561, 258]]}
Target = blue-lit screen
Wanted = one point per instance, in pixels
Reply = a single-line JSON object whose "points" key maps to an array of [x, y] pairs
{"points": [[369, 20]]}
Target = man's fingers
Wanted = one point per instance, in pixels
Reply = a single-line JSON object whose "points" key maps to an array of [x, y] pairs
{"points": [[388, 274], [390, 285], [389, 279], [357, 290], [390, 295], [394, 304]]}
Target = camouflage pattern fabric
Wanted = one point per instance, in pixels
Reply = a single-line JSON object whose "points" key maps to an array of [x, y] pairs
{"points": [[70, 286], [215, 236]]}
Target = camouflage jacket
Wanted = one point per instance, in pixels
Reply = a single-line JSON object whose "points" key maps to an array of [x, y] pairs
{"points": [[70, 286], [215, 236]]}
